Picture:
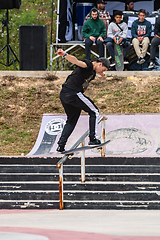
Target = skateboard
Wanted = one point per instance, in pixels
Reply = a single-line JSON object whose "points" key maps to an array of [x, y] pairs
{"points": [[71, 152], [118, 52]]}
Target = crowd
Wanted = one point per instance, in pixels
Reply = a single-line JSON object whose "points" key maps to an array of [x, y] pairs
{"points": [[98, 28]]}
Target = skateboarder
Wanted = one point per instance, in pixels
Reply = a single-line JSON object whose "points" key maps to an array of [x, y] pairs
{"points": [[73, 99]]}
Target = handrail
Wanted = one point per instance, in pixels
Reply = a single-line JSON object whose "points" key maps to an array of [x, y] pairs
{"points": [[64, 158]]}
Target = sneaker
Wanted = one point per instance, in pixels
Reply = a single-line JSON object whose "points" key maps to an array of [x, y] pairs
{"points": [[60, 149], [112, 64], [94, 142], [151, 65], [140, 60], [125, 61]]}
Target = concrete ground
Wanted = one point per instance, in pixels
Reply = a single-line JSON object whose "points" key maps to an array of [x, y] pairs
{"points": [[79, 225]]}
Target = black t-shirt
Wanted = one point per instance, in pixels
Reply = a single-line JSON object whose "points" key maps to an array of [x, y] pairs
{"points": [[79, 79]]}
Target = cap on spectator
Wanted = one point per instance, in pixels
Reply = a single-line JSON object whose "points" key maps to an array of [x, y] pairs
{"points": [[101, 1], [104, 61], [129, 1]]}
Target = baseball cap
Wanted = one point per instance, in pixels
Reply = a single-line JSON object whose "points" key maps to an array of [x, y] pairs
{"points": [[104, 61], [101, 1], [129, 1]]}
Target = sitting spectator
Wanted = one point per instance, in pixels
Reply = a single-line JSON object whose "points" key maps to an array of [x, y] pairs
{"points": [[141, 31], [94, 31], [103, 14], [118, 28], [154, 43]]}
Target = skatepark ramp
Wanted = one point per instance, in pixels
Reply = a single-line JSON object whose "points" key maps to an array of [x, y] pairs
{"points": [[130, 135]]}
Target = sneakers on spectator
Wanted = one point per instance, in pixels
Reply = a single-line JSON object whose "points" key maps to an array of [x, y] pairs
{"points": [[94, 142], [112, 62], [60, 149], [140, 60], [125, 61], [151, 65]]}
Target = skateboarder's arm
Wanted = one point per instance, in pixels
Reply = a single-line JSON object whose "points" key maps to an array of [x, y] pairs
{"points": [[71, 58]]}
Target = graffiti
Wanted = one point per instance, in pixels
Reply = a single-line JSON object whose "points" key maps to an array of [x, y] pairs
{"points": [[140, 140]]}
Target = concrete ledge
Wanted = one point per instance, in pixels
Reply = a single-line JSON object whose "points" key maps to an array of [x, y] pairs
{"points": [[42, 74]]}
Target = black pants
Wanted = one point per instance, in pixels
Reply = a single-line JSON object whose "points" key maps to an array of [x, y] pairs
{"points": [[154, 43], [73, 103], [89, 43]]}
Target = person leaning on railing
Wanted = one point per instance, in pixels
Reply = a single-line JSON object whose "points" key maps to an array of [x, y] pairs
{"points": [[154, 43]]}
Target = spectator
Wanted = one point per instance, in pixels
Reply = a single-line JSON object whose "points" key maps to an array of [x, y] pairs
{"points": [[103, 14], [94, 31], [129, 5], [118, 28], [154, 43], [141, 31]]}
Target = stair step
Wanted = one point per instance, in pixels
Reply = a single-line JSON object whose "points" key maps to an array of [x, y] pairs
{"points": [[110, 183], [115, 205]]}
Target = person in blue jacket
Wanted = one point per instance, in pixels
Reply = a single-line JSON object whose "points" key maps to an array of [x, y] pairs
{"points": [[141, 31]]}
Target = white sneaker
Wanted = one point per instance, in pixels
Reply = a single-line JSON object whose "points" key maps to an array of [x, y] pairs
{"points": [[151, 65], [126, 62]]}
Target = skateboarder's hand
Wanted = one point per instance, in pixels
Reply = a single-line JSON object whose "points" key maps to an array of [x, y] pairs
{"points": [[60, 52]]}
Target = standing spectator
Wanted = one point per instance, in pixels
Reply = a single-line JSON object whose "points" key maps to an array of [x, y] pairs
{"points": [[129, 5], [154, 43], [141, 31], [103, 14], [118, 28], [94, 31]]}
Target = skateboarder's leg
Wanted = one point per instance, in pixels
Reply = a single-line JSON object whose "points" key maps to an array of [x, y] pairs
{"points": [[72, 117], [86, 104], [73, 114]]}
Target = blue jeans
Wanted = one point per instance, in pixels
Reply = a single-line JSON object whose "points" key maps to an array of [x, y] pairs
{"points": [[154, 43], [110, 46]]}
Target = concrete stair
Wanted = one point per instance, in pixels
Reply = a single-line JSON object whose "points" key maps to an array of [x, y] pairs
{"points": [[111, 183]]}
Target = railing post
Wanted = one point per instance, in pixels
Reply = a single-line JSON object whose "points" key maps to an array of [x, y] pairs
{"points": [[51, 54], [103, 138], [83, 163], [61, 187]]}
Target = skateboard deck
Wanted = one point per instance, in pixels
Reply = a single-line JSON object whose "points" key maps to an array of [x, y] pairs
{"points": [[118, 52], [74, 150]]}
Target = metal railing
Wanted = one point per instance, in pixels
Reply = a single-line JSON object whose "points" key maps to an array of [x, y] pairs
{"points": [[64, 158]]}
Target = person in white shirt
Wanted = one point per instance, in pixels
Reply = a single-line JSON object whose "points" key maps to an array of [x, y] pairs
{"points": [[118, 28]]}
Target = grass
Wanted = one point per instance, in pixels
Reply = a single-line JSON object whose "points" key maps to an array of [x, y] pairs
{"points": [[35, 12], [22, 106]]}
